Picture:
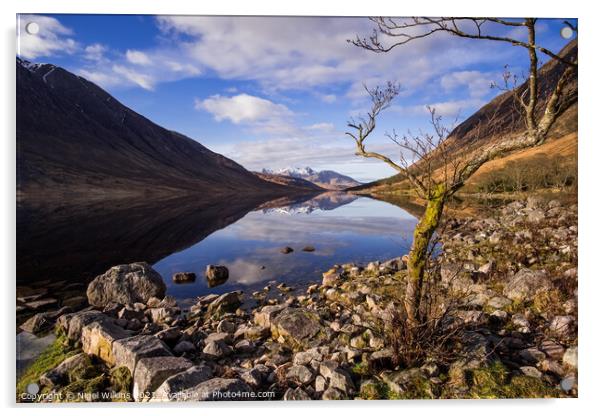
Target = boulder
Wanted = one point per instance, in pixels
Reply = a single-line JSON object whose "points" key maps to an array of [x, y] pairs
{"points": [[570, 357], [216, 274], [98, 338], [126, 283], [151, 372], [228, 302], [128, 351], [184, 347], [286, 250], [299, 328], [183, 277], [170, 388], [562, 326], [526, 283], [309, 249], [73, 323], [228, 389]]}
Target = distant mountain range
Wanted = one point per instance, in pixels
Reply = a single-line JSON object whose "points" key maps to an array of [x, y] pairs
{"points": [[74, 140], [326, 179]]}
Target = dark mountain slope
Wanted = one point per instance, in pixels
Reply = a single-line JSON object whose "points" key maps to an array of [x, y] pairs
{"points": [[75, 138]]}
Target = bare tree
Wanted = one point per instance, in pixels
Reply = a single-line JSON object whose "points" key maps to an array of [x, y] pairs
{"points": [[436, 170]]}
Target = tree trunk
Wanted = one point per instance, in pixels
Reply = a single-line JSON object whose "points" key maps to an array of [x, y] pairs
{"points": [[419, 252]]}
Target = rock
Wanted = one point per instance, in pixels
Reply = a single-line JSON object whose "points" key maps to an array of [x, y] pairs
{"points": [[488, 268], [499, 302], [130, 313], [298, 328], [127, 283], [536, 216], [296, 394], [401, 380], [216, 274], [70, 370], [552, 349], [128, 351], [72, 323], [333, 394], [305, 357], [169, 335], [217, 350], [532, 355], [562, 326], [151, 372], [36, 324], [309, 249], [320, 384], [300, 374], [570, 357], [41, 303], [331, 278], [521, 323], [162, 314], [98, 338], [525, 284], [183, 347], [286, 250], [531, 372], [75, 302], [174, 385], [265, 315], [244, 346], [226, 326], [229, 389], [341, 380], [228, 302], [253, 377], [183, 277]]}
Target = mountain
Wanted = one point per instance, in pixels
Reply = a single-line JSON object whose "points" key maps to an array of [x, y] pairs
{"points": [[290, 181], [75, 139], [326, 179], [500, 118]]}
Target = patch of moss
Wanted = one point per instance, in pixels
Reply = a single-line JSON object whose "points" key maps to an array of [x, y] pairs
{"points": [[52, 356], [361, 369], [121, 379], [494, 382]]}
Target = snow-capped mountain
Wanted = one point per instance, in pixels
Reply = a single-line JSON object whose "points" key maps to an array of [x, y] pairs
{"points": [[327, 179]]}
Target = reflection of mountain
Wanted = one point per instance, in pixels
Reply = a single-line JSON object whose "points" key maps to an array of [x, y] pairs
{"points": [[326, 179], [326, 201], [78, 242]]}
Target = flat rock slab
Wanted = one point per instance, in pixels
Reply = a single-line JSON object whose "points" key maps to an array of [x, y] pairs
{"points": [[98, 338], [217, 389], [73, 323], [128, 351], [151, 372], [171, 388]]}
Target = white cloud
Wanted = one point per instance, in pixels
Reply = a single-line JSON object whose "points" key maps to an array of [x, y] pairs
{"points": [[137, 57], [261, 114], [328, 98], [95, 52], [452, 108], [478, 83], [142, 80], [51, 39], [323, 127]]}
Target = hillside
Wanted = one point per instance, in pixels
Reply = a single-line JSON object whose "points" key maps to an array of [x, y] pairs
{"points": [[500, 118], [75, 139], [290, 181]]}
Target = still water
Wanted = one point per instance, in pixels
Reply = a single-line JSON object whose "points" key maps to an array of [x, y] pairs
{"points": [[342, 228]]}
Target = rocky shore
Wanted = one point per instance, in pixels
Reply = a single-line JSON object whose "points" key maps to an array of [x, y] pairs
{"points": [[513, 274]]}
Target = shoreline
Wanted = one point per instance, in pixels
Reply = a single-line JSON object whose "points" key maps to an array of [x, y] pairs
{"points": [[332, 341]]}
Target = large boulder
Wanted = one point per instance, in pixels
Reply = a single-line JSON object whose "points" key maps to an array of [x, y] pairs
{"points": [[128, 351], [228, 302], [126, 283], [526, 283], [151, 372]]}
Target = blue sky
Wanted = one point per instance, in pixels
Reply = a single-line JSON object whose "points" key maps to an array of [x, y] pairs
{"points": [[274, 92]]}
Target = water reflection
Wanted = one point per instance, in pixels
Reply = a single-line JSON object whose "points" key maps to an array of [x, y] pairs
{"points": [[186, 234]]}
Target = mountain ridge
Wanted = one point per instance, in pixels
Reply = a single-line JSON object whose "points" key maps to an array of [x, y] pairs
{"points": [[74, 138], [327, 179]]}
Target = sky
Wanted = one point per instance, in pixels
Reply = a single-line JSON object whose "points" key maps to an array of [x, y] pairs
{"points": [[277, 92]]}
